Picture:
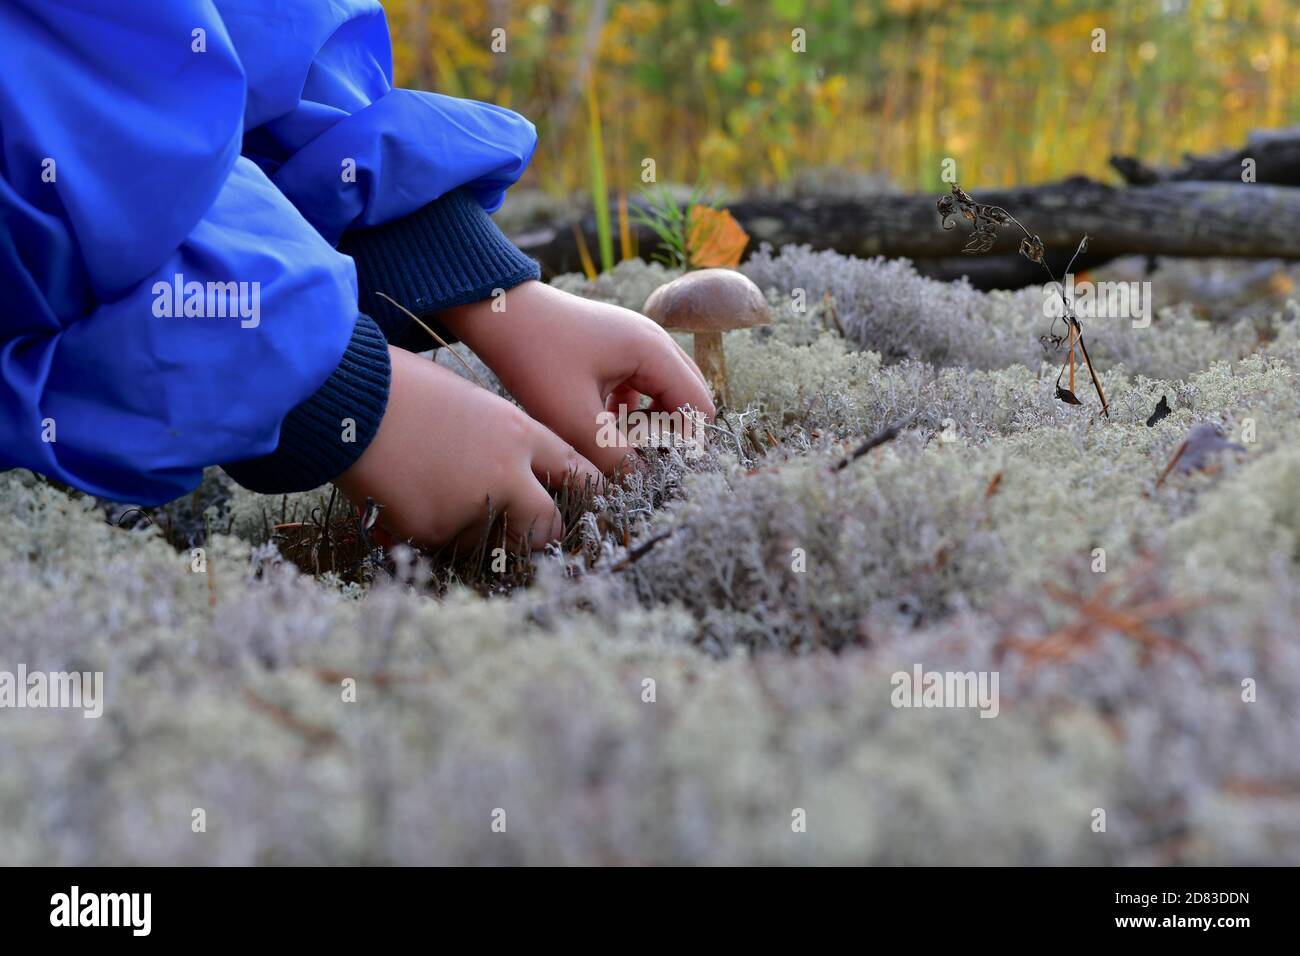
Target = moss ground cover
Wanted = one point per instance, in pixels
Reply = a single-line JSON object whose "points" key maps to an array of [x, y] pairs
{"points": [[678, 702]]}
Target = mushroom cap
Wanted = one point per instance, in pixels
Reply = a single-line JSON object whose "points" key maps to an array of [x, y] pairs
{"points": [[708, 300]]}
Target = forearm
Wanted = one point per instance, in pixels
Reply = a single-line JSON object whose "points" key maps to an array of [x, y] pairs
{"points": [[485, 325]]}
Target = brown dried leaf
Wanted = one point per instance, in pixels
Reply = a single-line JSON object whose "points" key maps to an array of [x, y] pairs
{"points": [[715, 239], [1032, 249]]}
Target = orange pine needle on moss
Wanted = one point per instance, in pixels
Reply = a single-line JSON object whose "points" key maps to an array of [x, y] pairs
{"points": [[1103, 612], [626, 240], [588, 266]]}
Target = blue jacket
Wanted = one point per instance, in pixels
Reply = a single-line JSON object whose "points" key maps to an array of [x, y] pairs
{"points": [[156, 148]]}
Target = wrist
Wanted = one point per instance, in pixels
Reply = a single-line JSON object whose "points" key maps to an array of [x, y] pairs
{"points": [[484, 324]]}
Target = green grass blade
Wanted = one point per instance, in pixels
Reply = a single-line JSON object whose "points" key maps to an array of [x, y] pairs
{"points": [[599, 195]]}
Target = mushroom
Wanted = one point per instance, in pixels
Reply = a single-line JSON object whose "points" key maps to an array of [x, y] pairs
{"points": [[709, 302]]}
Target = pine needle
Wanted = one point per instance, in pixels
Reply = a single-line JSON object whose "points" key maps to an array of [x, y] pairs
{"points": [[588, 267]]}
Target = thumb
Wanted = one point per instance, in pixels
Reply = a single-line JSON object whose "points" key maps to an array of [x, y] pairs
{"points": [[663, 372]]}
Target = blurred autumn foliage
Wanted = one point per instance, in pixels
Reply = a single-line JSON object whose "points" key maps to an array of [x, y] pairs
{"points": [[714, 90]]}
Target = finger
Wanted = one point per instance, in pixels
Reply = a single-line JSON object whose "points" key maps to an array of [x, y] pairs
{"points": [[690, 363], [555, 461], [476, 532], [598, 433], [623, 395], [531, 518], [666, 376], [610, 460]]}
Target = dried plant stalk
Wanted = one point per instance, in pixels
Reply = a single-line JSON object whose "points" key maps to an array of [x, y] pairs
{"points": [[987, 220]]}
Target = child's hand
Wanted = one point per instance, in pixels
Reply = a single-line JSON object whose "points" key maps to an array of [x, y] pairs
{"points": [[568, 359], [445, 446]]}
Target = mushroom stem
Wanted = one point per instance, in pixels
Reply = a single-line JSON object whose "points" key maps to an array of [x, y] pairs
{"points": [[713, 364]]}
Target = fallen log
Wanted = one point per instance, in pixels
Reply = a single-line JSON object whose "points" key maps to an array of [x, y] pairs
{"points": [[1174, 218], [1007, 270], [1276, 155]]}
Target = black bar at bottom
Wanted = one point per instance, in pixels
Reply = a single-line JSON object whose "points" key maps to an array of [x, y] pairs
{"points": [[335, 905]]}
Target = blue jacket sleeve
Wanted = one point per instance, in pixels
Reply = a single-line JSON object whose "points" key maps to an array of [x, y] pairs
{"points": [[350, 151], [166, 305]]}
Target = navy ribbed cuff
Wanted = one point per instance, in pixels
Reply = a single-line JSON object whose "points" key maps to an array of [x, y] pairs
{"points": [[445, 254], [323, 436]]}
